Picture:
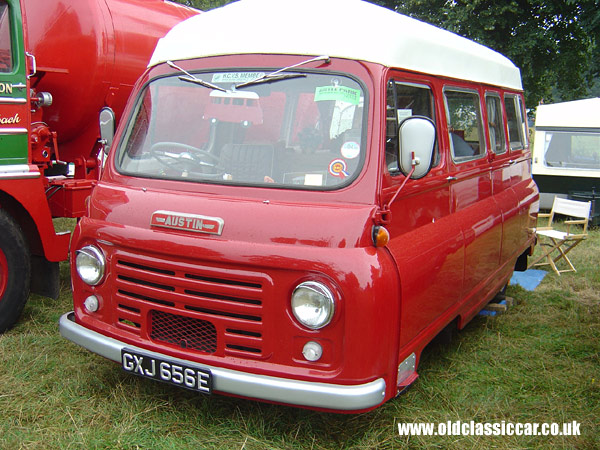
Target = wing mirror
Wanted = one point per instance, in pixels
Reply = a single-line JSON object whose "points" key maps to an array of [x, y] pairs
{"points": [[416, 136], [107, 126]]}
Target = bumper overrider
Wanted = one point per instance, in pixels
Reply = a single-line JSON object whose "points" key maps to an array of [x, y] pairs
{"points": [[269, 388]]}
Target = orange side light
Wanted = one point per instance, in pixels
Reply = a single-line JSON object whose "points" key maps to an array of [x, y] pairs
{"points": [[381, 236]]}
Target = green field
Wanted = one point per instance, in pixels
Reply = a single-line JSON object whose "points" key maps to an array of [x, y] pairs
{"points": [[537, 363]]}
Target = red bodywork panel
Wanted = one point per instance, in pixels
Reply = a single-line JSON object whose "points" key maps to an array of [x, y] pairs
{"points": [[455, 237]]}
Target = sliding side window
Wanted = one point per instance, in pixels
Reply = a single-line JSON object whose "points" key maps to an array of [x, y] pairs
{"points": [[515, 117], [405, 100], [464, 125], [495, 123]]}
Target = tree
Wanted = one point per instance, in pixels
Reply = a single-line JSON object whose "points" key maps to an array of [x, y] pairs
{"points": [[553, 42]]}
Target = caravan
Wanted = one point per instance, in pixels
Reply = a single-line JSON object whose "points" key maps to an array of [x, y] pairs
{"points": [[566, 153]]}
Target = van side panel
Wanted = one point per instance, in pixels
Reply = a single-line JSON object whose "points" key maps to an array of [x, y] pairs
{"points": [[457, 232], [480, 219], [427, 245], [505, 177]]}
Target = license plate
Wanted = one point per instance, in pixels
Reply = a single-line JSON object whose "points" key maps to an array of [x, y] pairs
{"points": [[171, 372]]}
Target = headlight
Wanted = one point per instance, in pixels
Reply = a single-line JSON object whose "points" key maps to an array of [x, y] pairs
{"points": [[90, 264], [313, 304]]}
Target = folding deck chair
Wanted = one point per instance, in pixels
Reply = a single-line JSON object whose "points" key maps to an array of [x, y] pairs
{"points": [[556, 244]]}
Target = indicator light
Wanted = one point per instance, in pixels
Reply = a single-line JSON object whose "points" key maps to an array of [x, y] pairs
{"points": [[381, 236], [312, 351], [91, 304]]}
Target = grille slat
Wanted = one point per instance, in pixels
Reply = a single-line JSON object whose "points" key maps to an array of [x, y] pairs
{"points": [[244, 341], [133, 296], [215, 306], [225, 313], [235, 332], [169, 279], [191, 306], [129, 308], [242, 348], [213, 280], [128, 315]]}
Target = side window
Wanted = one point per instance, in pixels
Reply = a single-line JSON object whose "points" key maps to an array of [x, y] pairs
{"points": [[6, 63], [495, 123], [523, 121], [464, 125], [516, 124], [405, 100]]}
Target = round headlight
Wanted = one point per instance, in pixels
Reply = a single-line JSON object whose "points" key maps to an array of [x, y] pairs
{"points": [[313, 304], [90, 264]]}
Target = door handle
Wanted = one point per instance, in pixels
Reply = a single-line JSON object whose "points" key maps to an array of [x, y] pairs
{"points": [[451, 178], [33, 65]]}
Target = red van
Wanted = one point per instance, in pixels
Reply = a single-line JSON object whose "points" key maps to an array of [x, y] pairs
{"points": [[291, 212]]}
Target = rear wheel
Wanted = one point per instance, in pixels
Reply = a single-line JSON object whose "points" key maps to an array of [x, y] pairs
{"points": [[15, 271]]}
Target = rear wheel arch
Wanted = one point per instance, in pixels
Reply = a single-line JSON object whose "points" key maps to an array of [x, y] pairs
{"points": [[22, 217], [15, 271]]}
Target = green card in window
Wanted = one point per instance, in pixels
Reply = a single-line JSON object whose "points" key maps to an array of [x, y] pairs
{"points": [[337, 93]]}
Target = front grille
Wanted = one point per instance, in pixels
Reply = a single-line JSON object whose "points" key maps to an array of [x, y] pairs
{"points": [[182, 331], [210, 309]]}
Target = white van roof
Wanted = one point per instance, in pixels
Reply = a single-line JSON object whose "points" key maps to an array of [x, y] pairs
{"points": [[350, 29], [575, 114]]}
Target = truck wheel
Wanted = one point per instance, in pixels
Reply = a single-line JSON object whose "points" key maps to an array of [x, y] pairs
{"points": [[15, 272]]}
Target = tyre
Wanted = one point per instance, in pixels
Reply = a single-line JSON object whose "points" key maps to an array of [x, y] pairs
{"points": [[15, 271]]}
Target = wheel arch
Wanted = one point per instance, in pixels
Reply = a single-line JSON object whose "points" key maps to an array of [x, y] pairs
{"points": [[21, 216]]}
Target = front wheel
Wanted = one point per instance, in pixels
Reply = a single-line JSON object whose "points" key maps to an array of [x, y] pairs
{"points": [[15, 272]]}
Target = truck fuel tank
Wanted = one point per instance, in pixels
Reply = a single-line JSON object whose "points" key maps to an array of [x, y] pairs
{"points": [[89, 53]]}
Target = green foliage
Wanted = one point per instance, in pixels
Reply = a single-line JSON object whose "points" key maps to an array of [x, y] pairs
{"points": [[554, 43]]}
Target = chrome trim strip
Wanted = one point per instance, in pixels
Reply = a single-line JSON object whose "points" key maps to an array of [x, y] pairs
{"points": [[282, 390], [18, 171], [13, 130], [12, 100]]}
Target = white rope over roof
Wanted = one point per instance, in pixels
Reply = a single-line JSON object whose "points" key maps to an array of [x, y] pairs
{"points": [[350, 29]]}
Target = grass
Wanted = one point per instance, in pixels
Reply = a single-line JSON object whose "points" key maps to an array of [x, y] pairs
{"points": [[537, 363]]}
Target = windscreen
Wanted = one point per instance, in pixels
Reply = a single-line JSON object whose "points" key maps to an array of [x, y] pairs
{"points": [[296, 130]]}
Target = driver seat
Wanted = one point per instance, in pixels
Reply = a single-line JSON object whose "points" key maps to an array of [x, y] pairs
{"points": [[247, 162]]}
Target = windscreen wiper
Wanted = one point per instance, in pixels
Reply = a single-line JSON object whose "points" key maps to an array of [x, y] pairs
{"points": [[192, 79], [268, 79], [275, 75]]}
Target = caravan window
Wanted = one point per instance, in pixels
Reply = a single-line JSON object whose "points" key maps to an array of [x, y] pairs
{"points": [[572, 149]]}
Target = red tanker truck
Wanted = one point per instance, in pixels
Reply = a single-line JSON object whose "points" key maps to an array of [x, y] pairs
{"points": [[61, 62]]}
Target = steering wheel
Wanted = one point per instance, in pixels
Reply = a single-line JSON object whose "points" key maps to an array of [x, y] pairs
{"points": [[183, 156]]}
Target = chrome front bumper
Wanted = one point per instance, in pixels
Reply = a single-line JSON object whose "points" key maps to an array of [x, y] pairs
{"points": [[280, 390]]}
